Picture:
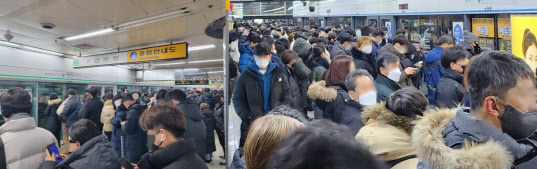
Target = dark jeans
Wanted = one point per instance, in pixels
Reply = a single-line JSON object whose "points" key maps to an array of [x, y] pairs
{"points": [[222, 139], [109, 135]]}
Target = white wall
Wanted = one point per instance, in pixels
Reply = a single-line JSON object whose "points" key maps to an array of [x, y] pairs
{"points": [[415, 7], [25, 63]]}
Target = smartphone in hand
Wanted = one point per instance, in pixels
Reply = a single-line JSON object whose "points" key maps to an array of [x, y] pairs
{"points": [[125, 163], [53, 150]]}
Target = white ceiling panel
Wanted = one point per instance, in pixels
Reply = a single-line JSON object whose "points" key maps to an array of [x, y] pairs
{"points": [[22, 2], [25, 30], [18, 38], [34, 20], [151, 6], [7, 7], [73, 14], [112, 10], [96, 42]]}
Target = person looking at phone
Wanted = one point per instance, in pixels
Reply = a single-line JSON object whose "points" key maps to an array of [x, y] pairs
{"points": [[93, 149], [23, 143], [170, 149]]}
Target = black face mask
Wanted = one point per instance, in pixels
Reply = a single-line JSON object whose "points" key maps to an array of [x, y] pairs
{"points": [[518, 125], [477, 49], [153, 147]]}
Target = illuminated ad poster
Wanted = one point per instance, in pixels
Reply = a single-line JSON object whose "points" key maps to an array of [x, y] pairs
{"points": [[523, 38]]}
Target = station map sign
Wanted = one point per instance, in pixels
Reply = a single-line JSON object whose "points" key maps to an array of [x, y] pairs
{"points": [[152, 54]]}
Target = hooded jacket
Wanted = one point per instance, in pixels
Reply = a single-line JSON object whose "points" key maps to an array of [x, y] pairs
{"points": [[295, 89], [219, 117], [209, 121], [451, 91], [180, 154], [388, 136], [247, 55], [336, 105], [404, 79], [135, 137], [121, 115], [364, 61], [106, 115], [23, 142], [302, 47], [433, 71], [53, 123], [339, 50], [95, 153], [195, 127], [447, 138]]}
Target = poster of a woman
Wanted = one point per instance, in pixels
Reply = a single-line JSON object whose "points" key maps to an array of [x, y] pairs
{"points": [[529, 48]]}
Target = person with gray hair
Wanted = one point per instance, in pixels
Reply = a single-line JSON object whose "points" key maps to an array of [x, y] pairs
{"points": [[389, 73]]}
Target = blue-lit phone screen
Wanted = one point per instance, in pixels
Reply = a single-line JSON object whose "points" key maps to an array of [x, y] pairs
{"points": [[52, 149]]}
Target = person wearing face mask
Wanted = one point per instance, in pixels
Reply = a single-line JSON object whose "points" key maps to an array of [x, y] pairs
{"points": [[135, 137], [274, 55], [389, 73], [344, 47], [331, 94], [376, 39], [399, 49], [363, 58], [171, 148], [260, 88], [496, 131], [93, 150], [451, 91], [389, 126], [433, 69], [119, 116], [361, 93], [195, 126], [246, 50], [470, 44]]}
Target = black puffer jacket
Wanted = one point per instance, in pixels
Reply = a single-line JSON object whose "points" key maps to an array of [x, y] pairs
{"points": [[295, 88], [195, 127], [208, 98], [209, 121], [53, 123], [135, 137], [180, 154], [364, 61], [450, 90], [96, 153], [336, 105], [219, 117], [92, 110]]}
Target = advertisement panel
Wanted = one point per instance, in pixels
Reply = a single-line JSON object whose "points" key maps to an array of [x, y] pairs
{"points": [[524, 43], [483, 27]]}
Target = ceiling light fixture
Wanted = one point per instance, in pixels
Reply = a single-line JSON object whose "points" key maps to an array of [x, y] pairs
{"points": [[90, 34], [216, 72], [204, 61], [29, 48], [173, 14], [167, 64], [195, 69], [201, 47]]}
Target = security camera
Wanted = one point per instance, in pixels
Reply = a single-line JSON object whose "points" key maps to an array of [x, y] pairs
{"points": [[304, 3], [312, 7], [8, 36]]}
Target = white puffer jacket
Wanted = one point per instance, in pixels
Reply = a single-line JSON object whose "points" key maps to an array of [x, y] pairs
{"points": [[24, 143]]}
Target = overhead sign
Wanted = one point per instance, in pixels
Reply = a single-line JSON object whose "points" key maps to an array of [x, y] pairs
{"points": [[168, 52], [483, 27], [160, 53], [458, 31]]}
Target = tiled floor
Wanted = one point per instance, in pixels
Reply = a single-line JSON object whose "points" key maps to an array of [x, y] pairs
{"points": [[234, 132], [216, 155]]}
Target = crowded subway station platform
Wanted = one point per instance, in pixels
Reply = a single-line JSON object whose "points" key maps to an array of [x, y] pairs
{"points": [[268, 84]]}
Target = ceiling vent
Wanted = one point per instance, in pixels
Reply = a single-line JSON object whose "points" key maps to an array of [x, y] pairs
{"points": [[48, 25], [84, 46]]}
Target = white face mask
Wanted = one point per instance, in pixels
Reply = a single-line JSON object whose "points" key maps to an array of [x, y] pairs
{"points": [[117, 103], [261, 63], [349, 47], [395, 74], [368, 98], [367, 49]]}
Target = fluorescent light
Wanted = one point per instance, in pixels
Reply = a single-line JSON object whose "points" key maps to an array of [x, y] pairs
{"points": [[90, 34], [203, 61], [29, 48], [201, 47], [166, 64], [4, 43], [216, 72], [126, 67], [191, 69], [170, 15]]}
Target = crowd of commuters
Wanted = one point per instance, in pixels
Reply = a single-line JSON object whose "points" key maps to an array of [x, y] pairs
{"points": [[325, 97], [102, 131]]}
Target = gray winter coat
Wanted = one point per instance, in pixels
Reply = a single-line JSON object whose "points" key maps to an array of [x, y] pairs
{"points": [[96, 153], [24, 143], [447, 138], [339, 50]]}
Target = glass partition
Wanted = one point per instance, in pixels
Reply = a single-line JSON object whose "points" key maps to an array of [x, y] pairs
{"points": [[43, 96]]}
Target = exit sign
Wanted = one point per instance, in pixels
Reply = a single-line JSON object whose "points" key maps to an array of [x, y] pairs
{"points": [[403, 6]]}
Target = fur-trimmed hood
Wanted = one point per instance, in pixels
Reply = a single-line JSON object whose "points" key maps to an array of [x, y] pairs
{"points": [[380, 113], [318, 90], [55, 101], [431, 148]]}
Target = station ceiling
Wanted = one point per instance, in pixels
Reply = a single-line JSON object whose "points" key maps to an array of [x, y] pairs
{"points": [[72, 17]]}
